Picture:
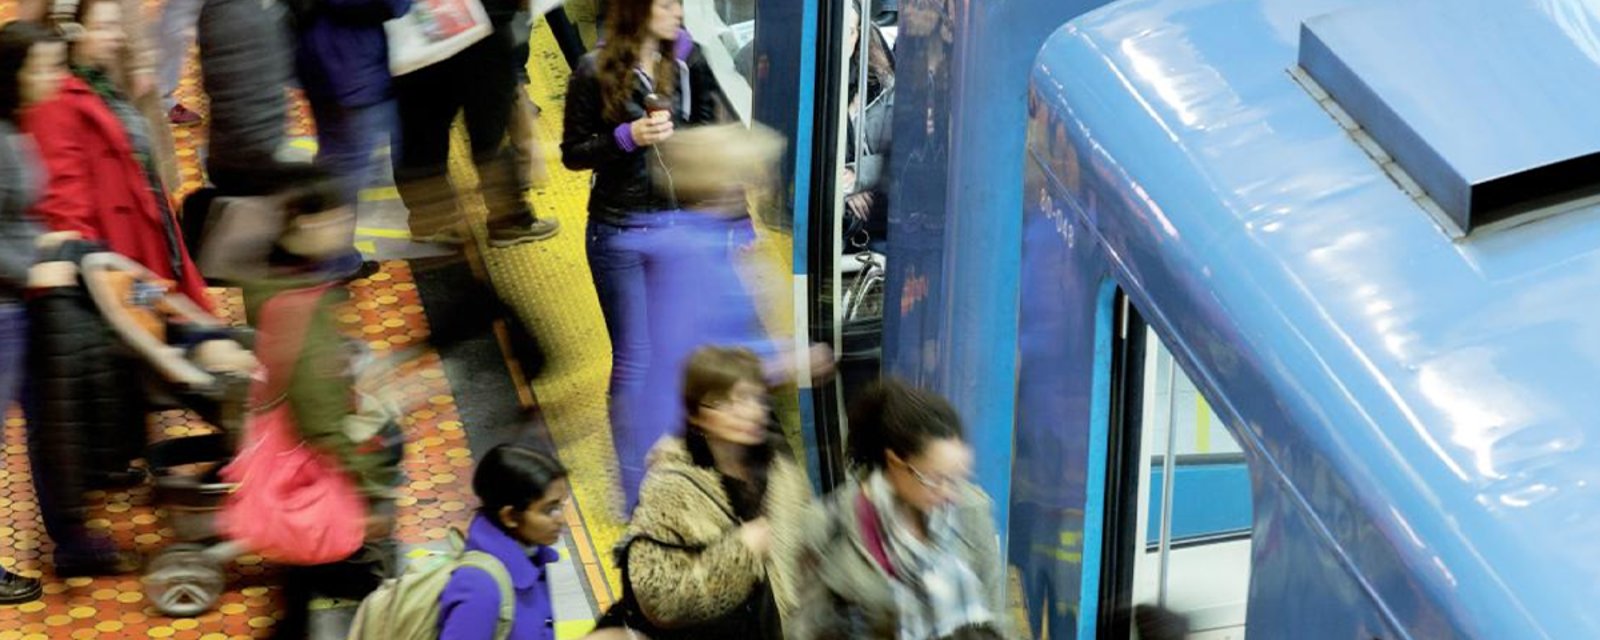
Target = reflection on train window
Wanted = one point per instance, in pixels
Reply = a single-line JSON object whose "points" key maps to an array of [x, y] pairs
{"points": [[726, 31], [1195, 559]]}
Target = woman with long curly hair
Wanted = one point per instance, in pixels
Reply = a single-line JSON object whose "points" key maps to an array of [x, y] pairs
{"points": [[610, 129]]}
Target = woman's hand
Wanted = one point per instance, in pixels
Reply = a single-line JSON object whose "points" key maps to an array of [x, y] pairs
{"points": [[757, 536], [823, 362], [647, 131], [859, 205], [142, 83]]}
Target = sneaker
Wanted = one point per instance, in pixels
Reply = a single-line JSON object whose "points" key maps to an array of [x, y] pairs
{"points": [[15, 589], [540, 229], [182, 116], [450, 238]]}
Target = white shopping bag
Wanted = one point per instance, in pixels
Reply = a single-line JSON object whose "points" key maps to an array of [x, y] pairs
{"points": [[433, 31], [541, 7]]}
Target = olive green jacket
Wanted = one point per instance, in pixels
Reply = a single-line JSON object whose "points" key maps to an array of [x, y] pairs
{"points": [[320, 391]]}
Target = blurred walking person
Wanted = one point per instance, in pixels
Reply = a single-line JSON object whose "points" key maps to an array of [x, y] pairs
{"points": [[722, 518], [910, 551], [32, 65]]}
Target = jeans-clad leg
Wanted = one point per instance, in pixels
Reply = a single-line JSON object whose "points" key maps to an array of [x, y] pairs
{"points": [[175, 33], [619, 279], [346, 140]]}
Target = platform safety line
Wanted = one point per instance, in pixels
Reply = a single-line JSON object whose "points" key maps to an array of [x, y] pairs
{"points": [[380, 194], [379, 232], [573, 629]]}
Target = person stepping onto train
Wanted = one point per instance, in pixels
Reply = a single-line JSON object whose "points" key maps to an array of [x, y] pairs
{"points": [[910, 551]]}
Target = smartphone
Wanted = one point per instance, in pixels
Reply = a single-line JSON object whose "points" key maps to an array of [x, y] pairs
{"points": [[659, 108]]}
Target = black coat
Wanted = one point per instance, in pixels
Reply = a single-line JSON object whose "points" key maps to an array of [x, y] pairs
{"points": [[87, 407], [622, 183]]}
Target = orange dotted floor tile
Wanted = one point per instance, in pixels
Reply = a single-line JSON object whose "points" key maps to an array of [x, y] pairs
{"points": [[385, 312]]}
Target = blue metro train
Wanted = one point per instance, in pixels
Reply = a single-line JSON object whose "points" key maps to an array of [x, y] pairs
{"points": [[1336, 265]]}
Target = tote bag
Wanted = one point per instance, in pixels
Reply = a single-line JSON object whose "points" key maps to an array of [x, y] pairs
{"points": [[293, 504], [433, 31]]}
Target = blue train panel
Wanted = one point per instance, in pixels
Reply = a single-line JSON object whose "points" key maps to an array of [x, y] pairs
{"points": [[961, 89], [1412, 397]]}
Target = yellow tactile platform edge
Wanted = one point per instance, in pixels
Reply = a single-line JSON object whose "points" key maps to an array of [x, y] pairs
{"points": [[550, 287]]}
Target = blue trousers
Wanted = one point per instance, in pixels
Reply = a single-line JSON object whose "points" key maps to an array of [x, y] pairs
{"points": [[347, 138], [667, 285]]}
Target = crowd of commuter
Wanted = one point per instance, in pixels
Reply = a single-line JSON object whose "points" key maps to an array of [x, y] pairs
{"points": [[725, 536]]}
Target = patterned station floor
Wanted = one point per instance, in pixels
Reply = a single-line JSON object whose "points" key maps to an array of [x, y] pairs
{"points": [[547, 284], [387, 313]]}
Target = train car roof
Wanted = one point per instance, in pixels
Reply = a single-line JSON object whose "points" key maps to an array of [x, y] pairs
{"points": [[1450, 382]]}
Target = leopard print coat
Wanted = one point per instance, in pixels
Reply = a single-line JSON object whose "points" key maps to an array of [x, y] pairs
{"points": [[687, 564]]}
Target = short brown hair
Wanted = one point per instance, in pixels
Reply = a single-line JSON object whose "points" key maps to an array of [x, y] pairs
{"points": [[712, 372]]}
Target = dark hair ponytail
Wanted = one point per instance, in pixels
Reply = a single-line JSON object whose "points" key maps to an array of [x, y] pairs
{"points": [[513, 476], [895, 416]]}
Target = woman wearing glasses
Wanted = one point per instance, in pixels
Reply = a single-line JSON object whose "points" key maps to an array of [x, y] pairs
{"points": [[910, 551], [710, 552]]}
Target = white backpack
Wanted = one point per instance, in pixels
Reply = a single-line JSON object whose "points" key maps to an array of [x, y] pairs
{"points": [[407, 607]]}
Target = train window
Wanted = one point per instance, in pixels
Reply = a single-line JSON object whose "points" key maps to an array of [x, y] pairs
{"points": [[1185, 536]]}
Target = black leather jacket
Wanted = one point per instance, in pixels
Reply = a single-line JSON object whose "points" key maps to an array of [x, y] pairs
{"points": [[622, 183]]}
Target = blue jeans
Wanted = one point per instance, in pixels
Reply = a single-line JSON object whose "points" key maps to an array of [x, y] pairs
{"points": [[619, 280], [347, 138], [174, 33], [656, 314], [13, 344]]}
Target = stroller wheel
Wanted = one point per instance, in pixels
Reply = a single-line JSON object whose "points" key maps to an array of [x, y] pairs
{"points": [[183, 581]]}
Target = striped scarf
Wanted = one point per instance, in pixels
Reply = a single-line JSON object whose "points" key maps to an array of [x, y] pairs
{"points": [[935, 591], [138, 131]]}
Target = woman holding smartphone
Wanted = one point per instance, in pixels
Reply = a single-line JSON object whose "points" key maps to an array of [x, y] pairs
{"points": [[643, 83]]}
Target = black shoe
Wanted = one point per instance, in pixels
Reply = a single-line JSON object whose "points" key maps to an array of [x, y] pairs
{"points": [[368, 268], [510, 236], [112, 481], [15, 589], [114, 563]]}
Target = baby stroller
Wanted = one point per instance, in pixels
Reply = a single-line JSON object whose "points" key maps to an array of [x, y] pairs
{"points": [[110, 326]]}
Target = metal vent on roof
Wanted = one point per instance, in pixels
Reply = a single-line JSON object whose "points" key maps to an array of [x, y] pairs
{"points": [[1491, 106]]}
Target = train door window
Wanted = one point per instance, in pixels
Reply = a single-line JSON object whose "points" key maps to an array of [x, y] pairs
{"points": [[1185, 537]]}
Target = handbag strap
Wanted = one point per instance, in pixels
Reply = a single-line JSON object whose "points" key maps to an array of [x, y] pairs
{"points": [[623, 548]]}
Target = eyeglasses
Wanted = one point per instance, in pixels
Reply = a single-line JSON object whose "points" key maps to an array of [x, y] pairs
{"points": [[729, 403], [940, 483]]}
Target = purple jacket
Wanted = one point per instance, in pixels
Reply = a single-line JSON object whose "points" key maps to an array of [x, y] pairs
{"points": [[470, 604], [343, 55]]}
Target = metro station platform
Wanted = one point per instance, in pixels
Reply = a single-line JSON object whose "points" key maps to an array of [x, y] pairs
{"points": [[462, 393]]}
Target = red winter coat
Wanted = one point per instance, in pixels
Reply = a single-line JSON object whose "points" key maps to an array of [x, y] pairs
{"points": [[98, 188]]}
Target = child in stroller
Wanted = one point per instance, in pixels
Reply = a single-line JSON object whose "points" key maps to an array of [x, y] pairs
{"points": [[305, 370]]}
